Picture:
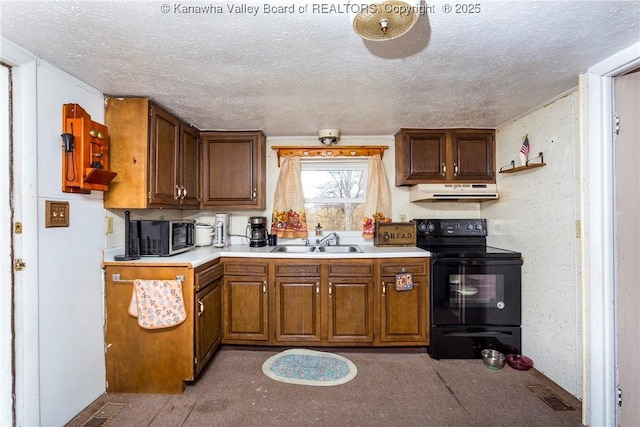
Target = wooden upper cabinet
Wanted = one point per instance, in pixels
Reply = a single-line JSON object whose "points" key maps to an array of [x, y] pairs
{"points": [[189, 155], [473, 155], [155, 154], [233, 169], [444, 155], [163, 157], [422, 156]]}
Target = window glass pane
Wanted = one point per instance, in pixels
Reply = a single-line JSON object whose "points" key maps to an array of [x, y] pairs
{"points": [[334, 193]]}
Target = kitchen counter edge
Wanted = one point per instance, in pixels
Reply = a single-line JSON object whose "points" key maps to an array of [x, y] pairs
{"points": [[201, 255]]}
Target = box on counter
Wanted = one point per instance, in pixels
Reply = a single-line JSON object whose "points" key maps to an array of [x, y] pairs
{"points": [[395, 234]]}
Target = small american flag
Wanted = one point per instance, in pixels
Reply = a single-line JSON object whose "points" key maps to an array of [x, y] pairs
{"points": [[525, 147]]}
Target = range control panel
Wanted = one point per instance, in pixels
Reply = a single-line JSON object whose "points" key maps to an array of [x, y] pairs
{"points": [[451, 227]]}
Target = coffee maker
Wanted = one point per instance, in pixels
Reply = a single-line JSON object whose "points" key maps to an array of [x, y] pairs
{"points": [[259, 234]]}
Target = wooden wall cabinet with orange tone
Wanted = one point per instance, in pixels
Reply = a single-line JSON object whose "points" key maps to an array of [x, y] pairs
{"points": [[156, 155]]}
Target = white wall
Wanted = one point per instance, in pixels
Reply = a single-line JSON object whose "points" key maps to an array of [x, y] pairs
{"points": [[71, 309], [536, 215]]}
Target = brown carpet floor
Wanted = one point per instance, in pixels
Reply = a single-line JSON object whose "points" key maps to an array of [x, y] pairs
{"points": [[394, 387]]}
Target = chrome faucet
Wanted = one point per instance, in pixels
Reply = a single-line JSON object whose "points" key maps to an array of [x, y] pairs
{"points": [[306, 241], [326, 241]]}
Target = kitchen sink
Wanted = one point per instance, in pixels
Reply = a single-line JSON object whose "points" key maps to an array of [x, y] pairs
{"points": [[340, 249], [294, 249], [317, 249]]}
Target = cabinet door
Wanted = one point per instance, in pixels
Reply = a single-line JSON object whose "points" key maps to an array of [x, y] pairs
{"points": [[473, 156], [189, 169], [163, 158], [350, 310], [350, 301], [142, 360], [208, 322], [404, 314], [245, 305], [420, 156], [233, 170], [297, 302], [128, 123]]}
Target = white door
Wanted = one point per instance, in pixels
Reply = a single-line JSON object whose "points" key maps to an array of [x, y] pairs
{"points": [[627, 245], [7, 388]]}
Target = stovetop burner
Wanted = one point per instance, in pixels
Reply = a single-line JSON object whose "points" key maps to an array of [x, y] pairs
{"points": [[470, 252], [457, 238]]}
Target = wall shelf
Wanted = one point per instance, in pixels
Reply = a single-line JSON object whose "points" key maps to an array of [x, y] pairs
{"points": [[512, 168], [346, 151]]}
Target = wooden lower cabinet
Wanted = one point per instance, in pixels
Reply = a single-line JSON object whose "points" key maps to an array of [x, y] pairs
{"points": [[208, 305], [140, 360], [253, 301], [297, 301], [404, 314], [327, 302], [245, 301], [350, 293]]}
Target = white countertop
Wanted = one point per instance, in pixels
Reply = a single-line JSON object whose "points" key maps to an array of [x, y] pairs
{"points": [[204, 254]]}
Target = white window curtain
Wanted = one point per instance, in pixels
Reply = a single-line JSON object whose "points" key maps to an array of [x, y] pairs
{"points": [[289, 218], [377, 206]]}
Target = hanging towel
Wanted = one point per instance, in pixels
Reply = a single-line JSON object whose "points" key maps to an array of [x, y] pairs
{"points": [[157, 303]]}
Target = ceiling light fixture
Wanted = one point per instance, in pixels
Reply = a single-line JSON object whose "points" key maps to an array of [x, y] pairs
{"points": [[329, 136], [384, 20]]}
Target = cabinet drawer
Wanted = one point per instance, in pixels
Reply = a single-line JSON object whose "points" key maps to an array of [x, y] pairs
{"points": [[208, 275], [298, 270], [345, 270], [417, 268], [250, 269]]}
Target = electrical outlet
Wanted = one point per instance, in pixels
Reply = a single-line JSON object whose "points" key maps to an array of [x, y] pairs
{"points": [[402, 217], [108, 225], [56, 214]]}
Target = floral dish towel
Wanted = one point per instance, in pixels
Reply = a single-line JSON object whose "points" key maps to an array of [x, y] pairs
{"points": [[157, 303]]}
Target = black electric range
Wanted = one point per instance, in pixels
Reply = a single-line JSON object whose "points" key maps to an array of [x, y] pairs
{"points": [[475, 289]]}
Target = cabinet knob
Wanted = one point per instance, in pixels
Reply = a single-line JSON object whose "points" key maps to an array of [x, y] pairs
{"points": [[184, 192], [455, 169], [177, 196], [264, 287], [384, 288], [444, 169], [330, 286], [255, 193], [317, 288], [201, 308]]}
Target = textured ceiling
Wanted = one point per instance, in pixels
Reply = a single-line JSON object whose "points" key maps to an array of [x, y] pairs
{"points": [[292, 73]]}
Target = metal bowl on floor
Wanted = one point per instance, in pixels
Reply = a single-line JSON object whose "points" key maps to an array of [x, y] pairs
{"points": [[492, 359]]}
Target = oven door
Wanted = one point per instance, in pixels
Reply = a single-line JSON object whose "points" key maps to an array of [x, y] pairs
{"points": [[475, 291]]}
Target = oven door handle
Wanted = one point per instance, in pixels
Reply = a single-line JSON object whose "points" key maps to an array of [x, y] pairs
{"points": [[479, 334], [456, 261], [479, 261]]}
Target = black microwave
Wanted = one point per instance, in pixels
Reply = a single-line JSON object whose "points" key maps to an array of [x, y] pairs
{"points": [[161, 237]]}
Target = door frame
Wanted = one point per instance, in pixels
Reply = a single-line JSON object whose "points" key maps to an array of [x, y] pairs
{"points": [[25, 245], [600, 391]]}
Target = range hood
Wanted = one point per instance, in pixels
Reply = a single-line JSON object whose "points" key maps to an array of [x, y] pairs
{"points": [[462, 192]]}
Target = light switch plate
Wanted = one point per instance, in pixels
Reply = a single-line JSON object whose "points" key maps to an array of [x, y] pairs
{"points": [[56, 214]]}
